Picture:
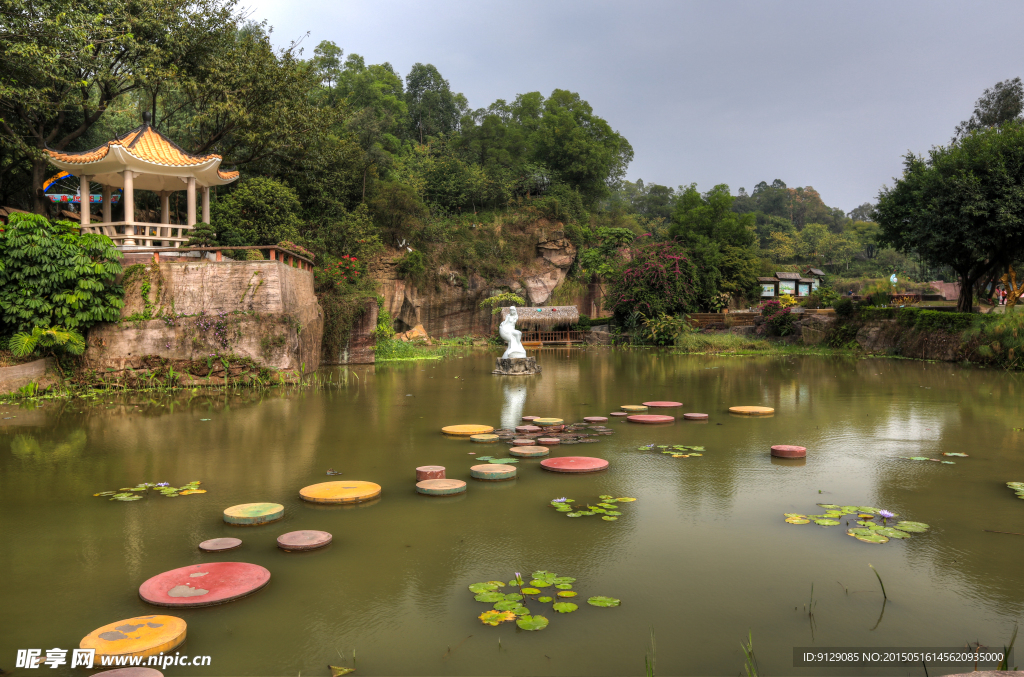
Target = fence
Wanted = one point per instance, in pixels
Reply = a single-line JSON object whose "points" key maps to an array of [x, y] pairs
{"points": [[552, 337], [178, 253]]}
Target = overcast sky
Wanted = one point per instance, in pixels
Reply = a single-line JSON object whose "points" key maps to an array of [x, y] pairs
{"points": [[823, 94]]}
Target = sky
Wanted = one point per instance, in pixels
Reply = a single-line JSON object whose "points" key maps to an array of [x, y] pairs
{"points": [[824, 94]]}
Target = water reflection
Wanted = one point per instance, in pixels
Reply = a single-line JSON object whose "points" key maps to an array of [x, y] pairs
{"points": [[512, 407]]}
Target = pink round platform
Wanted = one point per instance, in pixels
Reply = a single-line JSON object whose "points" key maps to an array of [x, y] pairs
{"points": [[220, 544], [530, 418], [788, 451], [548, 441], [303, 540], [574, 464], [662, 404], [695, 417], [595, 419], [204, 584], [527, 429], [429, 472], [619, 413], [650, 418], [522, 442]]}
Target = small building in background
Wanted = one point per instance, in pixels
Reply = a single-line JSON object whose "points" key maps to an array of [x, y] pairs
{"points": [[793, 284], [817, 277]]}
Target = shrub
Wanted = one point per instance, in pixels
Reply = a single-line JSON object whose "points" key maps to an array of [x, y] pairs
{"points": [[296, 249], [47, 340], [779, 318], [202, 235], [663, 330], [843, 307], [53, 276], [259, 211], [347, 270], [413, 265], [661, 278], [496, 303]]}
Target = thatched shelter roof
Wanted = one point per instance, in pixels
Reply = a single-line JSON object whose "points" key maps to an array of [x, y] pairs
{"points": [[546, 316]]}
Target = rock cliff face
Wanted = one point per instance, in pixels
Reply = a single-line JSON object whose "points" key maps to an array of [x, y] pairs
{"points": [[454, 309]]}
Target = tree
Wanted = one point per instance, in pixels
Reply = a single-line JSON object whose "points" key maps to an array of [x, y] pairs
{"points": [[864, 212], [202, 235], [53, 276], [433, 107], [1001, 103], [962, 206], [259, 211]]}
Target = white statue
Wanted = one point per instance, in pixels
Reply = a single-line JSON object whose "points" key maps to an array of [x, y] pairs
{"points": [[512, 336]]}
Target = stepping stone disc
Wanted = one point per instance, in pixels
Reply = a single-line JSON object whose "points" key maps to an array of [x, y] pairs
{"points": [[303, 540], [574, 464], [441, 487], [660, 404], [204, 584], [619, 413], [788, 451], [695, 417], [133, 672], [340, 492], [429, 472], [650, 418], [548, 421], [529, 418], [220, 544], [483, 439], [139, 636], [595, 419], [249, 514], [523, 442], [752, 411], [493, 472], [548, 441], [527, 429], [465, 430], [528, 452], [633, 408]]}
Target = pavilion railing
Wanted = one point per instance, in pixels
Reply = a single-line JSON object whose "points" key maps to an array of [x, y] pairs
{"points": [[274, 253], [552, 336], [143, 234]]}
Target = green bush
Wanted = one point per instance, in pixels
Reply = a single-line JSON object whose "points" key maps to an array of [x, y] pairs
{"points": [[413, 265], [53, 276], [935, 320], [202, 235], [843, 307], [259, 211]]}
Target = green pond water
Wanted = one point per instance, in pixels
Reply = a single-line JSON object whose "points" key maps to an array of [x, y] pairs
{"points": [[702, 557]]}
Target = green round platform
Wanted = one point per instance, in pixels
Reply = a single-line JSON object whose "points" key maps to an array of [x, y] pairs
{"points": [[483, 439], [251, 514], [528, 452], [493, 472], [441, 487]]}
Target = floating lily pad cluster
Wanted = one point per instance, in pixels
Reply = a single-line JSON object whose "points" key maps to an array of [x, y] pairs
{"points": [[1018, 488], [511, 606], [491, 459], [868, 529], [675, 451], [608, 508], [137, 493], [937, 460]]}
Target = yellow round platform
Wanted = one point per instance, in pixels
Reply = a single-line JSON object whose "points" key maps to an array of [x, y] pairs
{"points": [[340, 492], [752, 411], [547, 421], [467, 429], [139, 636], [483, 439]]}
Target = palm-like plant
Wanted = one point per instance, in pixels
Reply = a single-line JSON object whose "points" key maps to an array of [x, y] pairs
{"points": [[52, 339]]}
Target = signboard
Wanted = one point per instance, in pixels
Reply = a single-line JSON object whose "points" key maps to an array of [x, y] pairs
{"points": [[95, 199], [767, 290], [787, 287], [814, 284]]}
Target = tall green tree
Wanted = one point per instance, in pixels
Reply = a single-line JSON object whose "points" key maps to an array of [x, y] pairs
{"points": [[1001, 103], [433, 107]]}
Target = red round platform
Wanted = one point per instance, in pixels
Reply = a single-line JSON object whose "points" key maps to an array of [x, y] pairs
{"points": [[304, 540], [530, 418], [788, 451], [527, 429], [430, 472], [619, 413], [523, 442], [220, 544], [548, 441], [595, 419], [659, 404], [574, 464], [650, 418], [695, 417], [204, 584]]}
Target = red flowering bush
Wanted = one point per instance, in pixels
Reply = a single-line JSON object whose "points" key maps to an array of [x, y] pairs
{"points": [[346, 270], [780, 320], [296, 249]]}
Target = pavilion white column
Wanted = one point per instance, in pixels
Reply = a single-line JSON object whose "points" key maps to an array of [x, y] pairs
{"points": [[128, 196], [85, 206], [190, 200], [206, 204], [106, 204], [165, 206]]}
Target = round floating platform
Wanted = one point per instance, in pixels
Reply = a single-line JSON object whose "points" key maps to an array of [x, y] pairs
{"points": [[663, 404], [650, 418], [695, 417], [529, 418], [574, 464], [220, 544], [619, 413], [546, 422], [441, 487], [303, 540], [548, 441], [429, 472], [788, 451], [465, 430], [523, 442], [249, 514], [493, 472], [595, 419], [133, 672], [139, 636], [483, 439], [633, 408], [528, 452], [752, 411], [340, 492], [527, 429], [204, 584]]}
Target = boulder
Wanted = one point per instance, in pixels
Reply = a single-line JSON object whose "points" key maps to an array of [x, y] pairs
{"points": [[516, 366]]}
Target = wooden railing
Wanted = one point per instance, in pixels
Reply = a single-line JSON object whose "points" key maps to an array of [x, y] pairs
{"points": [[275, 253], [142, 234], [552, 337]]}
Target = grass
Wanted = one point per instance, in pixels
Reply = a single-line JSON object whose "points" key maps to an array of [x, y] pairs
{"points": [[736, 344], [396, 350]]}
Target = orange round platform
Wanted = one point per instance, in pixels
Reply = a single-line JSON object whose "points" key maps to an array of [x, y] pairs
{"points": [[139, 636], [340, 492], [752, 411], [466, 430]]}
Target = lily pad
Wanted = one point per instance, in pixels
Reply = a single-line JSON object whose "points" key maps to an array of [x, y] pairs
{"points": [[614, 513], [608, 518], [917, 458], [865, 516], [544, 575], [545, 599], [867, 535], [607, 506], [891, 532], [797, 520], [795, 514], [564, 579], [564, 607], [827, 523], [574, 514], [606, 497], [866, 523], [538, 583], [603, 601], [477, 588], [695, 454], [586, 512], [513, 597], [493, 617], [128, 498], [598, 511], [490, 597], [913, 527], [105, 493], [849, 509], [483, 458], [532, 622], [1016, 486], [507, 605], [563, 586], [504, 461], [566, 593], [521, 611], [193, 491], [625, 500], [873, 511], [563, 508], [531, 591], [829, 506], [954, 453], [680, 456]]}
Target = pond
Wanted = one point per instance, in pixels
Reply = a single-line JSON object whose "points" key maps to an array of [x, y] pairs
{"points": [[703, 556]]}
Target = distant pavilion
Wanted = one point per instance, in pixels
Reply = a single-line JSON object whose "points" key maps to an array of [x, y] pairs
{"points": [[143, 159]]}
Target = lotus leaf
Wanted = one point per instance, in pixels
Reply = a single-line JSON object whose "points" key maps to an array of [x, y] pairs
{"points": [[693, 454], [490, 597], [586, 512], [564, 607], [539, 583], [493, 617], [105, 493], [625, 500], [563, 586], [513, 597], [531, 591], [477, 588], [566, 593], [829, 506], [122, 495], [949, 462], [796, 520], [865, 516], [1017, 486], [544, 599], [913, 527], [504, 461], [507, 605], [827, 523], [795, 514], [680, 456], [605, 497], [532, 622], [193, 491], [606, 518], [603, 601], [609, 506], [574, 514], [564, 579], [866, 523], [954, 453], [483, 458], [867, 535], [917, 458], [598, 511], [130, 498], [849, 509], [614, 513], [891, 532]]}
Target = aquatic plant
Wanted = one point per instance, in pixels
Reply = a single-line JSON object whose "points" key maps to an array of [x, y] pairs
{"points": [[675, 451], [934, 460], [886, 515], [608, 508], [508, 607], [136, 493], [1018, 488], [867, 531]]}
